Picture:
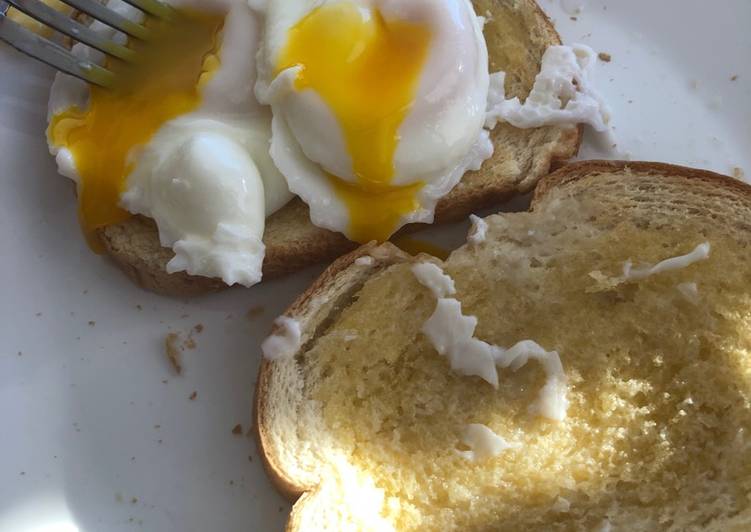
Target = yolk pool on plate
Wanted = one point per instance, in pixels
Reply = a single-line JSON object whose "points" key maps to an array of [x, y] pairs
{"points": [[367, 70], [162, 83]]}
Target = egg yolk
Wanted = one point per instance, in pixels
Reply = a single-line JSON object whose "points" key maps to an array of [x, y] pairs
{"points": [[367, 70], [163, 82]]}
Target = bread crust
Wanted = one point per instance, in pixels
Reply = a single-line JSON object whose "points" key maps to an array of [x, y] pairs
{"points": [[579, 170], [293, 243], [383, 256], [305, 494]]}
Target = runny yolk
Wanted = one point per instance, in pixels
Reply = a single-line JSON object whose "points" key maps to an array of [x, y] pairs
{"points": [[367, 70], [162, 83]]}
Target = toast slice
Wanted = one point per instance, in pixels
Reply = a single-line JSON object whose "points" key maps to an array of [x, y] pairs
{"points": [[364, 423], [517, 33]]}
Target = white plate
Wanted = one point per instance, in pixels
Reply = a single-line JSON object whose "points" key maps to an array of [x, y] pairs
{"points": [[94, 440]]}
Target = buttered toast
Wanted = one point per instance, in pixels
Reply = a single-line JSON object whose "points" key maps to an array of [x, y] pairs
{"points": [[636, 274]]}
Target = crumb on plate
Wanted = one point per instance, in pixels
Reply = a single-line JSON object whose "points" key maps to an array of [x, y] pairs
{"points": [[254, 312], [172, 351]]}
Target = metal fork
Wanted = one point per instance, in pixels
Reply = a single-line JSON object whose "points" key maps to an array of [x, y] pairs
{"points": [[61, 58]]}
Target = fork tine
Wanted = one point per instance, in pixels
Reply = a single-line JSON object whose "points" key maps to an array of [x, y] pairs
{"points": [[53, 54], [62, 23], [152, 7], [109, 17]]}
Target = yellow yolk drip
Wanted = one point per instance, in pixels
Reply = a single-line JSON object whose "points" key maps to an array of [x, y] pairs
{"points": [[367, 70], [161, 84]]}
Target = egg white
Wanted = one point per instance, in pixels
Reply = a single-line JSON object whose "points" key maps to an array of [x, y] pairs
{"points": [[442, 137], [206, 177]]}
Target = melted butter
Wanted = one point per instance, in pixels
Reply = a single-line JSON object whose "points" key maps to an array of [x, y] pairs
{"points": [[161, 84], [367, 70]]}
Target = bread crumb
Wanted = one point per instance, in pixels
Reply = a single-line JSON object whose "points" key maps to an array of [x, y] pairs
{"points": [[561, 505], [365, 260], [237, 430], [173, 351], [92, 323], [733, 77], [605, 57], [193, 396], [254, 312], [198, 328], [189, 343], [738, 172]]}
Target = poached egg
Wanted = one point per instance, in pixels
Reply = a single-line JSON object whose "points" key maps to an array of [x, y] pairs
{"points": [[369, 110], [378, 105], [181, 139]]}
